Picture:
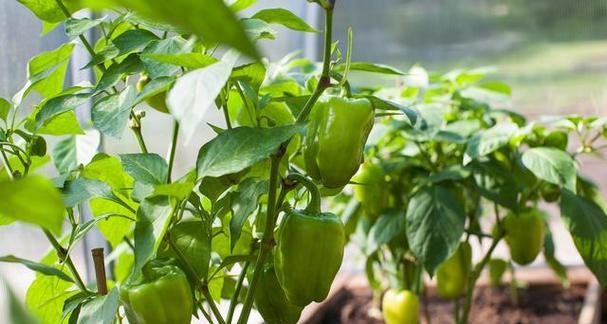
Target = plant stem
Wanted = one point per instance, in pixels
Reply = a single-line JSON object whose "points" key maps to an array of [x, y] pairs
{"points": [[234, 301], [173, 149], [7, 166], [136, 127], [325, 78], [474, 277], [267, 242], [211, 302], [456, 309], [66, 259], [226, 115], [206, 315], [98, 260], [513, 285]]}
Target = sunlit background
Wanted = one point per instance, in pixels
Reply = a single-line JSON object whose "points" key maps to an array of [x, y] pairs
{"points": [[552, 52]]}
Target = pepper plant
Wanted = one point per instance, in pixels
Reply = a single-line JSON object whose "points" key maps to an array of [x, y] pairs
{"points": [[236, 226], [468, 171]]}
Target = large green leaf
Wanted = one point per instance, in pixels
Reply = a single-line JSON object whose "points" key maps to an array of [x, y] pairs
{"points": [[371, 67], [81, 190], [552, 165], [45, 298], [193, 239], [435, 225], [169, 46], [283, 17], [32, 199], [154, 217], [146, 168], [48, 10], [110, 115], [60, 105], [211, 20], [388, 226], [587, 223], [76, 27], [75, 150], [489, 141], [194, 93], [244, 202], [100, 310], [247, 147]]}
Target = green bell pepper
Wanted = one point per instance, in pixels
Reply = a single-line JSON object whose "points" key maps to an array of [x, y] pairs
{"points": [[162, 296], [524, 235], [271, 301], [337, 132], [400, 307], [309, 251], [371, 190], [452, 275]]}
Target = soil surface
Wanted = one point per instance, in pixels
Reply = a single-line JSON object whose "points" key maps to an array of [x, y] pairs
{"points": [[548, 304]]}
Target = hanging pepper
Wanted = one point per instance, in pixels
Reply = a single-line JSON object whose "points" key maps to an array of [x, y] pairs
{"points": [[371, 190], [452, 275], [337, 132], [309, 251], [524, 235], [271, 301], [400, 307], [162, 296], [157, 101]]}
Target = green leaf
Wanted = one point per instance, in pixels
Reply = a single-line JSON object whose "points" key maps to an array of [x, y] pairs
{"points": [[17, 197], [154, 217], [154, 88], [211, 20], [169, 46], [76, 27], [146, 168], [258, 29], [186, 60], [193, 239], [110, 115], [240, 5], [118, 71], [49, 11], [253, 74], [587, 223], [5, 108], [284, 17], [114, 229], [38, 267], [194, 93], [81, 190], [100, 310], [371, 67], [133, 40], [45, 298], [489, 141], [75, 150], [62, 124], [59, 105], [435, 225], [109, 170], [244, 202], [556, 266], [387, 227], [247, 147], [552, 165]]}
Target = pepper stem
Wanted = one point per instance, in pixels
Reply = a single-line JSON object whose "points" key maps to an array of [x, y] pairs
{"points": [[314, 205]]}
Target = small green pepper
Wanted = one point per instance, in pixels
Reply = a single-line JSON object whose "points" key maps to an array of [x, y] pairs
{"points": [[524, 235], [162, 296], [271, 301], [452, 275]]}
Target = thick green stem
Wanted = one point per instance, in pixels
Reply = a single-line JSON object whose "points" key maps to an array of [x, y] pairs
{"points": [[173, 149], [234, 301], [474, 277], [136, 127], [267, 242], [61, 252]]}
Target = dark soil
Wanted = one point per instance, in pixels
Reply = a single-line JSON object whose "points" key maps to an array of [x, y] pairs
{"points": [[548, 304]]}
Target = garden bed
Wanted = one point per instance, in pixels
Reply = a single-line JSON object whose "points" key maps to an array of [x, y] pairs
{"points": [[544, 301]]}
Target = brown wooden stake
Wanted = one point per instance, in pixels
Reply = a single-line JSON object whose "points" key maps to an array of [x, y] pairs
{"points": [[99, 260]]}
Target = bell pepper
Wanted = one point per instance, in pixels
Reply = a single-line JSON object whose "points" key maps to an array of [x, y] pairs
{"points": [[162, 296], [400, 307], [452, 275], [335, 140], [271, 301], [309, 250], [524, 235], [158, 101], [371, 190]]}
